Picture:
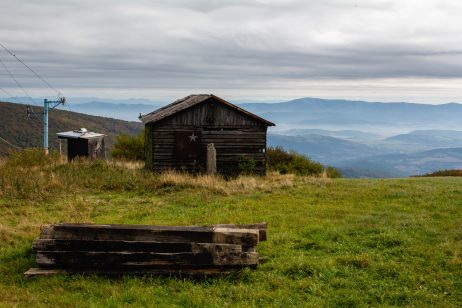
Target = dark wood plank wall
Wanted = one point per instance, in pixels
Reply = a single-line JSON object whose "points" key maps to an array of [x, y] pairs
{"points": [[234, 145], [210, 113], [236, 136]]}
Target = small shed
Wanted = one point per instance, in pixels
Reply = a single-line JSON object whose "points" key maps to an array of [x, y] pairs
{"points": [[83, 143], [179, 134]]}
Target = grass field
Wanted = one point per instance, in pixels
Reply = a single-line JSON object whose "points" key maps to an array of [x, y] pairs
{"points": [[331, 242]]}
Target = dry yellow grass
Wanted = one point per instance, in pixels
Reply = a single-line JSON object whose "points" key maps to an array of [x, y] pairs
{"points": [[128, 164], [31, 176], [241, 184]]}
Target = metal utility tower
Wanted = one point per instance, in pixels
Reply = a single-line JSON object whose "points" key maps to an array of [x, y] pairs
{"points": [[47, 105]]}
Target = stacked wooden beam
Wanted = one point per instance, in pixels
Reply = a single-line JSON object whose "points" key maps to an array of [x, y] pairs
{"points": [[141, 249]]}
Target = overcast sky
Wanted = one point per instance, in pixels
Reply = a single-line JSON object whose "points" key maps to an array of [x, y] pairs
{"points": [[385, 50]]}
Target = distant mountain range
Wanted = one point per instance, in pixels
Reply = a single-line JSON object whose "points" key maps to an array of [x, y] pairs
{"points": [[379, 118], [353, 135], [326, 149], [367, 139], [384, 119], [399, 165], [84, 100], [122, 109], [430, 138], [127, 112]]}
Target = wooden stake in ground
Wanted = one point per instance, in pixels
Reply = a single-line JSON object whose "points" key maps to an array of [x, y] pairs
{"points": [[211, 159]]}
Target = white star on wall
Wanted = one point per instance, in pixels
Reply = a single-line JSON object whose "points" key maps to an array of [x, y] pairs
{"points": [[192, 138]]}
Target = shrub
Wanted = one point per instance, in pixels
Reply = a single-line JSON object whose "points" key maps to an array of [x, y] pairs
{"points": [[247, 166], [292, 162], [129, 147], [446, 172], [32, 157], [284, 162], [333, 173]]}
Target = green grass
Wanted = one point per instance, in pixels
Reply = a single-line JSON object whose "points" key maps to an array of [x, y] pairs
{"points": [[331, 242]]}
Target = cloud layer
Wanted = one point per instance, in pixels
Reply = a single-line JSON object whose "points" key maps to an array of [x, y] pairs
{"points": [[243, 48]]}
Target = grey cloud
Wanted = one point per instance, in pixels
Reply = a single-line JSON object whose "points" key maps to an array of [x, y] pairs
{"points": [[229, 44]]}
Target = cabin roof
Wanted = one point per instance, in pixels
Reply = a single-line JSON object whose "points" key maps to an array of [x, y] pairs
{"points": [[189, 101]]}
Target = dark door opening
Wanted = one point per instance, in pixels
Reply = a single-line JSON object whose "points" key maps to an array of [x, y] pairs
{"points": [[188, 145]]}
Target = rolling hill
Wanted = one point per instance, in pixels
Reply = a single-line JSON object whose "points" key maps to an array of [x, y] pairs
{"points": [[352, 135], [126, 112], [27, 132], [325, 149], [399, 156], [429, 138], [401, 165], [389, 118]]}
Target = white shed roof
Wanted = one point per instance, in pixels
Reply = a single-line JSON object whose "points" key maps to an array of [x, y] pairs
{"points": [[79, 133]]}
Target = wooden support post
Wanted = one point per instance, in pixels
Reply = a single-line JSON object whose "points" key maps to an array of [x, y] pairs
{"points": [[211, 159]]}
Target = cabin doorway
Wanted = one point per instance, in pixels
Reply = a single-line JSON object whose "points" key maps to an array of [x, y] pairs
{"points": [[187, 144], [188, 150]]}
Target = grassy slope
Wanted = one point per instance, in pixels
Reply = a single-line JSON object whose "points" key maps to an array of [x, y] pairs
{"points": [[331, 242], [24, 132]]}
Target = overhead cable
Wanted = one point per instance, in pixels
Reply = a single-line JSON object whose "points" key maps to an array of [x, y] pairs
{"points": [[30, 69], [17, 82], [14, 146]]}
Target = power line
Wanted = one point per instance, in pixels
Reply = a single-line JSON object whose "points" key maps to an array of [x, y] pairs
{"points": [[34, 72], [14, 146], [17, 82], [19, 85]]}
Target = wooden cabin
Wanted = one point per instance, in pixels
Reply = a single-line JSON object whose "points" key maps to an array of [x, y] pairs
{"points": [[83, 143], [178, 135]]}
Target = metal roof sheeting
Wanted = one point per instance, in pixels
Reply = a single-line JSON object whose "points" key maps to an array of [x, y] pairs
{"points": [[80, 133]]}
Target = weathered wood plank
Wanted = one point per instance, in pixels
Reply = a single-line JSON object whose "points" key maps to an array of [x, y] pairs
{"points": [[262, 228], [246, 237], [217, 127], [234, 132], [207, 113], [99, 259], [222, 144], [183, 272], [133, 246]]}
